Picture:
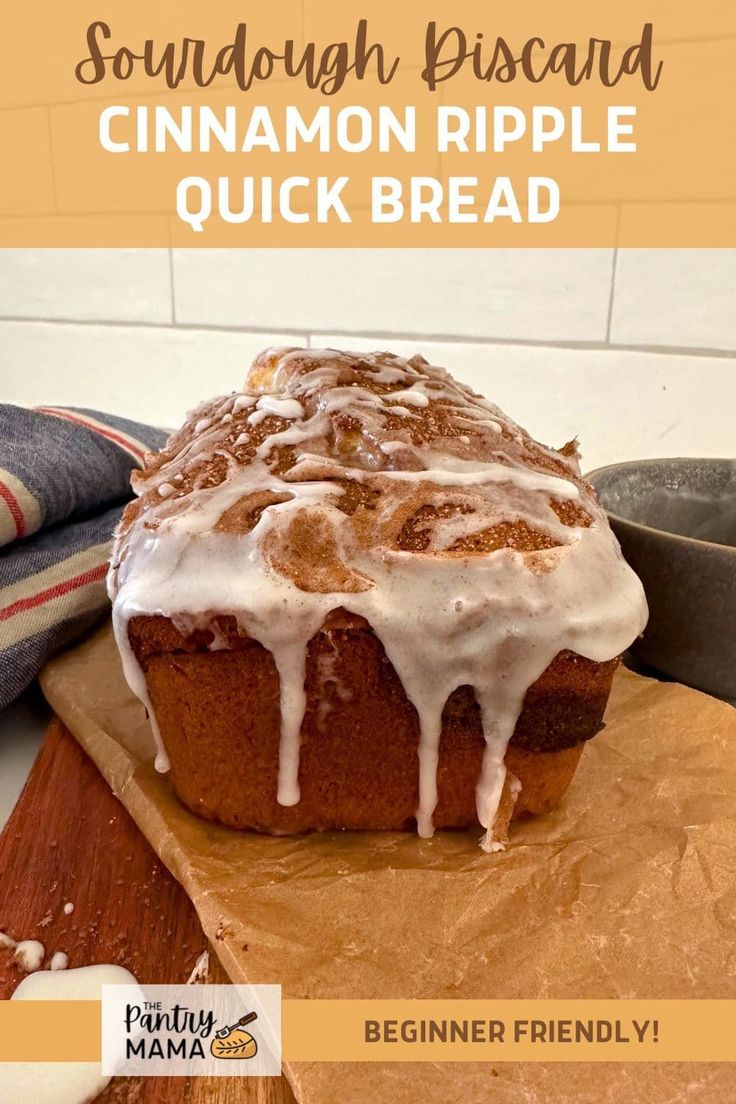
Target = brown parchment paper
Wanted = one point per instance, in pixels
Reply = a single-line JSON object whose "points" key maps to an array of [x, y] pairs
{"points": [[627, 890]]}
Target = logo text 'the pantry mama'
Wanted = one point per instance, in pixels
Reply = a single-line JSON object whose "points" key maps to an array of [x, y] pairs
{"points": [[195, 1031]]}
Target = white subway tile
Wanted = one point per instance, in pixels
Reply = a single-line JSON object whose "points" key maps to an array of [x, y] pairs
{"points": [[116, 285], [684, 298], [532, 294], [622, 405], [152, 374]]}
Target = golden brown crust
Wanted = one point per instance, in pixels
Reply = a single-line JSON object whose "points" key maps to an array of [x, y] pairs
{"points": [[220, 718]]}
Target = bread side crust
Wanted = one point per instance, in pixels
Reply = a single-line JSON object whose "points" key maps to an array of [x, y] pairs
{"points": [[219, 716]]}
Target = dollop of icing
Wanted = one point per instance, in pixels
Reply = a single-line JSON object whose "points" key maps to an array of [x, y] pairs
{"points": [[382, 487]]}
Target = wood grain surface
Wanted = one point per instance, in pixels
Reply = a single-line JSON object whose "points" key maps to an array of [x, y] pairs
{"points": [[69, 839]]}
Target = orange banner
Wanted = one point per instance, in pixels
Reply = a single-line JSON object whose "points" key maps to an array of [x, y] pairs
{"points": [[380, 125], [426, 1030], [49, 1031]]}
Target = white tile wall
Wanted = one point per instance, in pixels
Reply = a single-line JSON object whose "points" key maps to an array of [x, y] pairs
{"points": [[89, 285], [547, 295], [675, 297], [635, 352], [153, 374]]}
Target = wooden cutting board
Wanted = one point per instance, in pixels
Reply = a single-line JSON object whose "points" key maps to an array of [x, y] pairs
{"points": [[69, 839]]}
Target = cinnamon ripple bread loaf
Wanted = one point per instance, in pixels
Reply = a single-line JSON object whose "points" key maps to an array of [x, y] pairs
{"points": [[357, 595]]}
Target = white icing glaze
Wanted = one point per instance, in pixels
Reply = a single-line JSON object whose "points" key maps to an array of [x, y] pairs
{"points": [[282, 408], [244, 402], [59, 961], [59, 1082], [493, 621], [29, 954], [413, 397]]}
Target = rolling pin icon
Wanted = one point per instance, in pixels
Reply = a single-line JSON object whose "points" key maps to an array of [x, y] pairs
{"points": [[234, 1041]]}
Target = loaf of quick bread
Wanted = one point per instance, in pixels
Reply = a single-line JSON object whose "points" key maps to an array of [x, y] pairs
{"points": [[356, 595]]}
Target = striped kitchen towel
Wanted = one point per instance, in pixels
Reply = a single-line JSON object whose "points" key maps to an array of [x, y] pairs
{"points": [[64, 479]]}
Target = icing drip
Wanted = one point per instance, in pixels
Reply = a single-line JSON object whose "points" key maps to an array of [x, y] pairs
{"points": [[381, 487], [59, 1082], [29, 954]]}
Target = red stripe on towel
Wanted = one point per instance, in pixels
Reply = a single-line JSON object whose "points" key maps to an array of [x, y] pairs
{"points": [[15, 511], [110, 434], [94, 575]]}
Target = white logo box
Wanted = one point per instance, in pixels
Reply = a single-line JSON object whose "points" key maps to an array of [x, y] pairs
{"points": [[191, 1030]]}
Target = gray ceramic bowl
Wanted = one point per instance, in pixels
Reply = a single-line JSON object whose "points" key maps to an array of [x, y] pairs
{"points": [[676, 521]]}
